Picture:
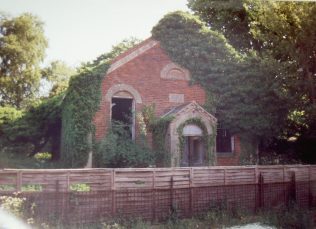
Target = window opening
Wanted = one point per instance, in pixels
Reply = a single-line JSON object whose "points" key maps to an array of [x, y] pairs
{"points": [[122, 114], [223, 141]]}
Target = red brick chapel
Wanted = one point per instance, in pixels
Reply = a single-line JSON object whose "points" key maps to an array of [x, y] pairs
{"points": [[145, 75]]}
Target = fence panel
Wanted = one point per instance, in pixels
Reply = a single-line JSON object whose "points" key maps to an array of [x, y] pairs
{"points": [[158, 193]]}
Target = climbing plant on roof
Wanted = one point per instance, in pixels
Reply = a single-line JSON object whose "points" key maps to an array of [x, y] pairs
{"points": [[246, 89]]}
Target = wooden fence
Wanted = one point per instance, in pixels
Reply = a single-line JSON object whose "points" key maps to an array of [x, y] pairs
{"points": [[152, 178], [156, 193]]}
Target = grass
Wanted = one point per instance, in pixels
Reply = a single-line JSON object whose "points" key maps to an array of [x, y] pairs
{"points": [[280, 217], [20, 160]]}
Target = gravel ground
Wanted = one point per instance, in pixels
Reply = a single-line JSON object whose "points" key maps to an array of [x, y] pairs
{"points": [[252, 226]]}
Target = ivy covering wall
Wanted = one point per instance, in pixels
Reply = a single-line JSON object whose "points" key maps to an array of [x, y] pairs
{"points": [[235, 82], [79, 107], [208, 139], [82, 100], [158, 126]]}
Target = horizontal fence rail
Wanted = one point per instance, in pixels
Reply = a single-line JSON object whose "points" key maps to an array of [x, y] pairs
{"points": [[149, 178], [91, 195]]}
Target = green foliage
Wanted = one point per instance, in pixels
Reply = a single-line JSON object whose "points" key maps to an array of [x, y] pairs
{"points": [[291, 217], [13, 204], [248, 149], [22, 48], [37, 125], [58, 75], [280, 31], [80, 187], [43, 156], [117, 150], [190, 43], [287, 30], [31, 188], [80, 105], [228, 17], [19, 206], [8, 115], [158, 126], [246, 91], [208, 140]]}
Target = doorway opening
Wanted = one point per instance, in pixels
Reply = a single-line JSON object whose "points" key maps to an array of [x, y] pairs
{"points": [[194, 147], [122, 115], [194, 150]]}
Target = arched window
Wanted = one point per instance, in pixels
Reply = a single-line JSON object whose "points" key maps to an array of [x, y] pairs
{"points": [[123, 99], [122, 112]]}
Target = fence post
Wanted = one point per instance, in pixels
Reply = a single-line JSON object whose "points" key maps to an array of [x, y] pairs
{"points": [[293, 188], [310, 196], [113, 193], [154, 197], [261, 191], [171, 194], [19, 181], [57, 201], [191, 192]]}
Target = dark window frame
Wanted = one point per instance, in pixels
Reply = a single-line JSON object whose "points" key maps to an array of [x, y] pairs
{"points": [[224, 141]]}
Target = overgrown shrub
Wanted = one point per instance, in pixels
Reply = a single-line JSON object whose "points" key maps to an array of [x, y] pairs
{"points": [[117, 150], [34, 127], [43, 156], [19, 207]]}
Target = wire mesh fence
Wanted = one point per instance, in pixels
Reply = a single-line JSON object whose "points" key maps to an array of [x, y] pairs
{"points": [[79, 196], [162, 204]]}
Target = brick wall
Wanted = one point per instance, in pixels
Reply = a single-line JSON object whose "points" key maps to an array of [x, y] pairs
{"points": [[143, 74], [230, 158]]}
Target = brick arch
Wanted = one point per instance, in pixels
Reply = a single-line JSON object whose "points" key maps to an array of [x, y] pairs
{"points": [[173, 71], [123, 87]]}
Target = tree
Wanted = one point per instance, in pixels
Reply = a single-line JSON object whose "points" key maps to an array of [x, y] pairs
{"points": [[37, 125], [246, 92], [22, 48], [228, 17], [288, 31], [57, 75]]}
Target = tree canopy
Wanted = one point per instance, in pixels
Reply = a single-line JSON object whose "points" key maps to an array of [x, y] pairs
{"points": [[284, 31], [57, 74], [22, 48], [288, 30], [246, 91], [228, 17]]}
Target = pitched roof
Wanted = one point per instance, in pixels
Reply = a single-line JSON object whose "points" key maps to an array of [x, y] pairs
{"points": [[132, 53], [185, 107]]}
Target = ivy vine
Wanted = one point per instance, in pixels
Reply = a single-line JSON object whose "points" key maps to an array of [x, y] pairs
{"points": [[158, 126], [81, 102], [208, 139]]}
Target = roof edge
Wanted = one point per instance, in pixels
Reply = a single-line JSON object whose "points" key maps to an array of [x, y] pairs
{"points": [[132, 53]]}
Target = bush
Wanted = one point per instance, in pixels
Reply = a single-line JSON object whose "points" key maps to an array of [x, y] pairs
{"points": [[43, 156], [117, 150]]}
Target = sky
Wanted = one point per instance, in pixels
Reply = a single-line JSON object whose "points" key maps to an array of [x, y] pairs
{"points": [[81, 30]]}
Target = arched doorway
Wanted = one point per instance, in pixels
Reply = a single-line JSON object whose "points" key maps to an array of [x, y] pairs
{"points": [[194, 149]]}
